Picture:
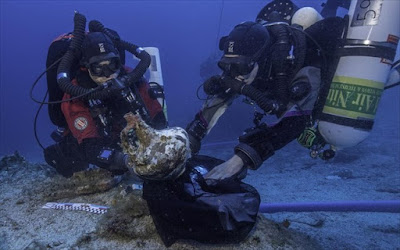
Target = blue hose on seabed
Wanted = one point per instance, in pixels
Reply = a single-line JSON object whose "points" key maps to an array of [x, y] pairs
{"points": [[391, 206]]}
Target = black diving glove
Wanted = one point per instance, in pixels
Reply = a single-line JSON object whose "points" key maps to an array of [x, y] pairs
{"points": [[196, 131], [195, 144], [120, 163], [110, 91], [114, 94], [115, 89], [232, 85], [299, 90], [212, 85], [114, 161]]}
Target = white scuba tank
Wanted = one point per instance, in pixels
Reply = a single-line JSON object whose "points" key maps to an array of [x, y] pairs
{"points": [[156, 80], [372, 38], [394, 76], [305, 17]]}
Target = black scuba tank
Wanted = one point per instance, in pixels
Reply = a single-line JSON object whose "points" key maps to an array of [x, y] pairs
{"points": [[56, 51]]}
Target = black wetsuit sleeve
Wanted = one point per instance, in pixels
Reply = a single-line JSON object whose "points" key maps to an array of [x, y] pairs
{"points": [[287, 130], [261, 143]]}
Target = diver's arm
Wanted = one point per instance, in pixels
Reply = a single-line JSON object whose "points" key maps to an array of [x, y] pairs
{"points": [[206, 119], [92, 145], [96, 152], [256, 146], [214, 108], [259, 144], [153, 107]]}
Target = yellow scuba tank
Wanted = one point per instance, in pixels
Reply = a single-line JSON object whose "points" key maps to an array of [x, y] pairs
{"points": [[364, 65]]}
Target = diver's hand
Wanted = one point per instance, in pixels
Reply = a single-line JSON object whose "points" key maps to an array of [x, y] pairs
{"points": [[225, 170], [212, 85], [113, 89], [112, 93], [120, 163], [233, 85]]}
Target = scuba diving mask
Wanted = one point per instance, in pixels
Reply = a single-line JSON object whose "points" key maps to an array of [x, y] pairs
{"points": [[238, 66], [243, 47], [105, 68]]}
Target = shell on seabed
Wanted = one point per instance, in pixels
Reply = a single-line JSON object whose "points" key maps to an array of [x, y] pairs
{"points": [[154, 154]]}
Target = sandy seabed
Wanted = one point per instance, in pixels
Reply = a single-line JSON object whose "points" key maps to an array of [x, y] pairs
{"points": [[369, 171]]}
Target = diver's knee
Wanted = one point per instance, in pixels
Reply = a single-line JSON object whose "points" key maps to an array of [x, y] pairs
{"points": [[51, 155], [65, 166]]}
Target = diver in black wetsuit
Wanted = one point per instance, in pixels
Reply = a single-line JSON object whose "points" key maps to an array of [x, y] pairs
{"points": [[258, 62]]}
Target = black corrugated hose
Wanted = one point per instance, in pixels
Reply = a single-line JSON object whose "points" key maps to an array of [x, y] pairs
{"points": [[279, 56], [70, 57], [269, 106]]}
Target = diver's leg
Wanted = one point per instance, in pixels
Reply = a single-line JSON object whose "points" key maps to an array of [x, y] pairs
{"points": [[65, 157]]}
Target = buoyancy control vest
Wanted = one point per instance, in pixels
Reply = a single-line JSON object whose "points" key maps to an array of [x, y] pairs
{"points": [[281, 61], [287, 55], [56, 51]]}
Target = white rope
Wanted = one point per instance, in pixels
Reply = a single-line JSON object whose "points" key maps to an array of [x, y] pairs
{"points": [[219, 26]]}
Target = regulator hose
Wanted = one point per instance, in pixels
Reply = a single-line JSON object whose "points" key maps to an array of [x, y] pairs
{"points": [[280, 54], [300, 49], [145, 59], [70, 57], [269, 106]]}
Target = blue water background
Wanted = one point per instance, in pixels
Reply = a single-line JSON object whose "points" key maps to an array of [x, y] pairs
{"points": [[186, 33]]}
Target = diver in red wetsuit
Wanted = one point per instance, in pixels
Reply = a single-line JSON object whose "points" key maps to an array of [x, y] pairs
{"points": [[94, 125]]}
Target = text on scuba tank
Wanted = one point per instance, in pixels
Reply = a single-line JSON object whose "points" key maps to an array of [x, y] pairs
{"points": [[367, 12], [353, 98]]}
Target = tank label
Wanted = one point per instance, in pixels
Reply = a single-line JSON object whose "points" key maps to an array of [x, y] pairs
{"points": [[153, 64], [367, 13], [353, 98]]}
